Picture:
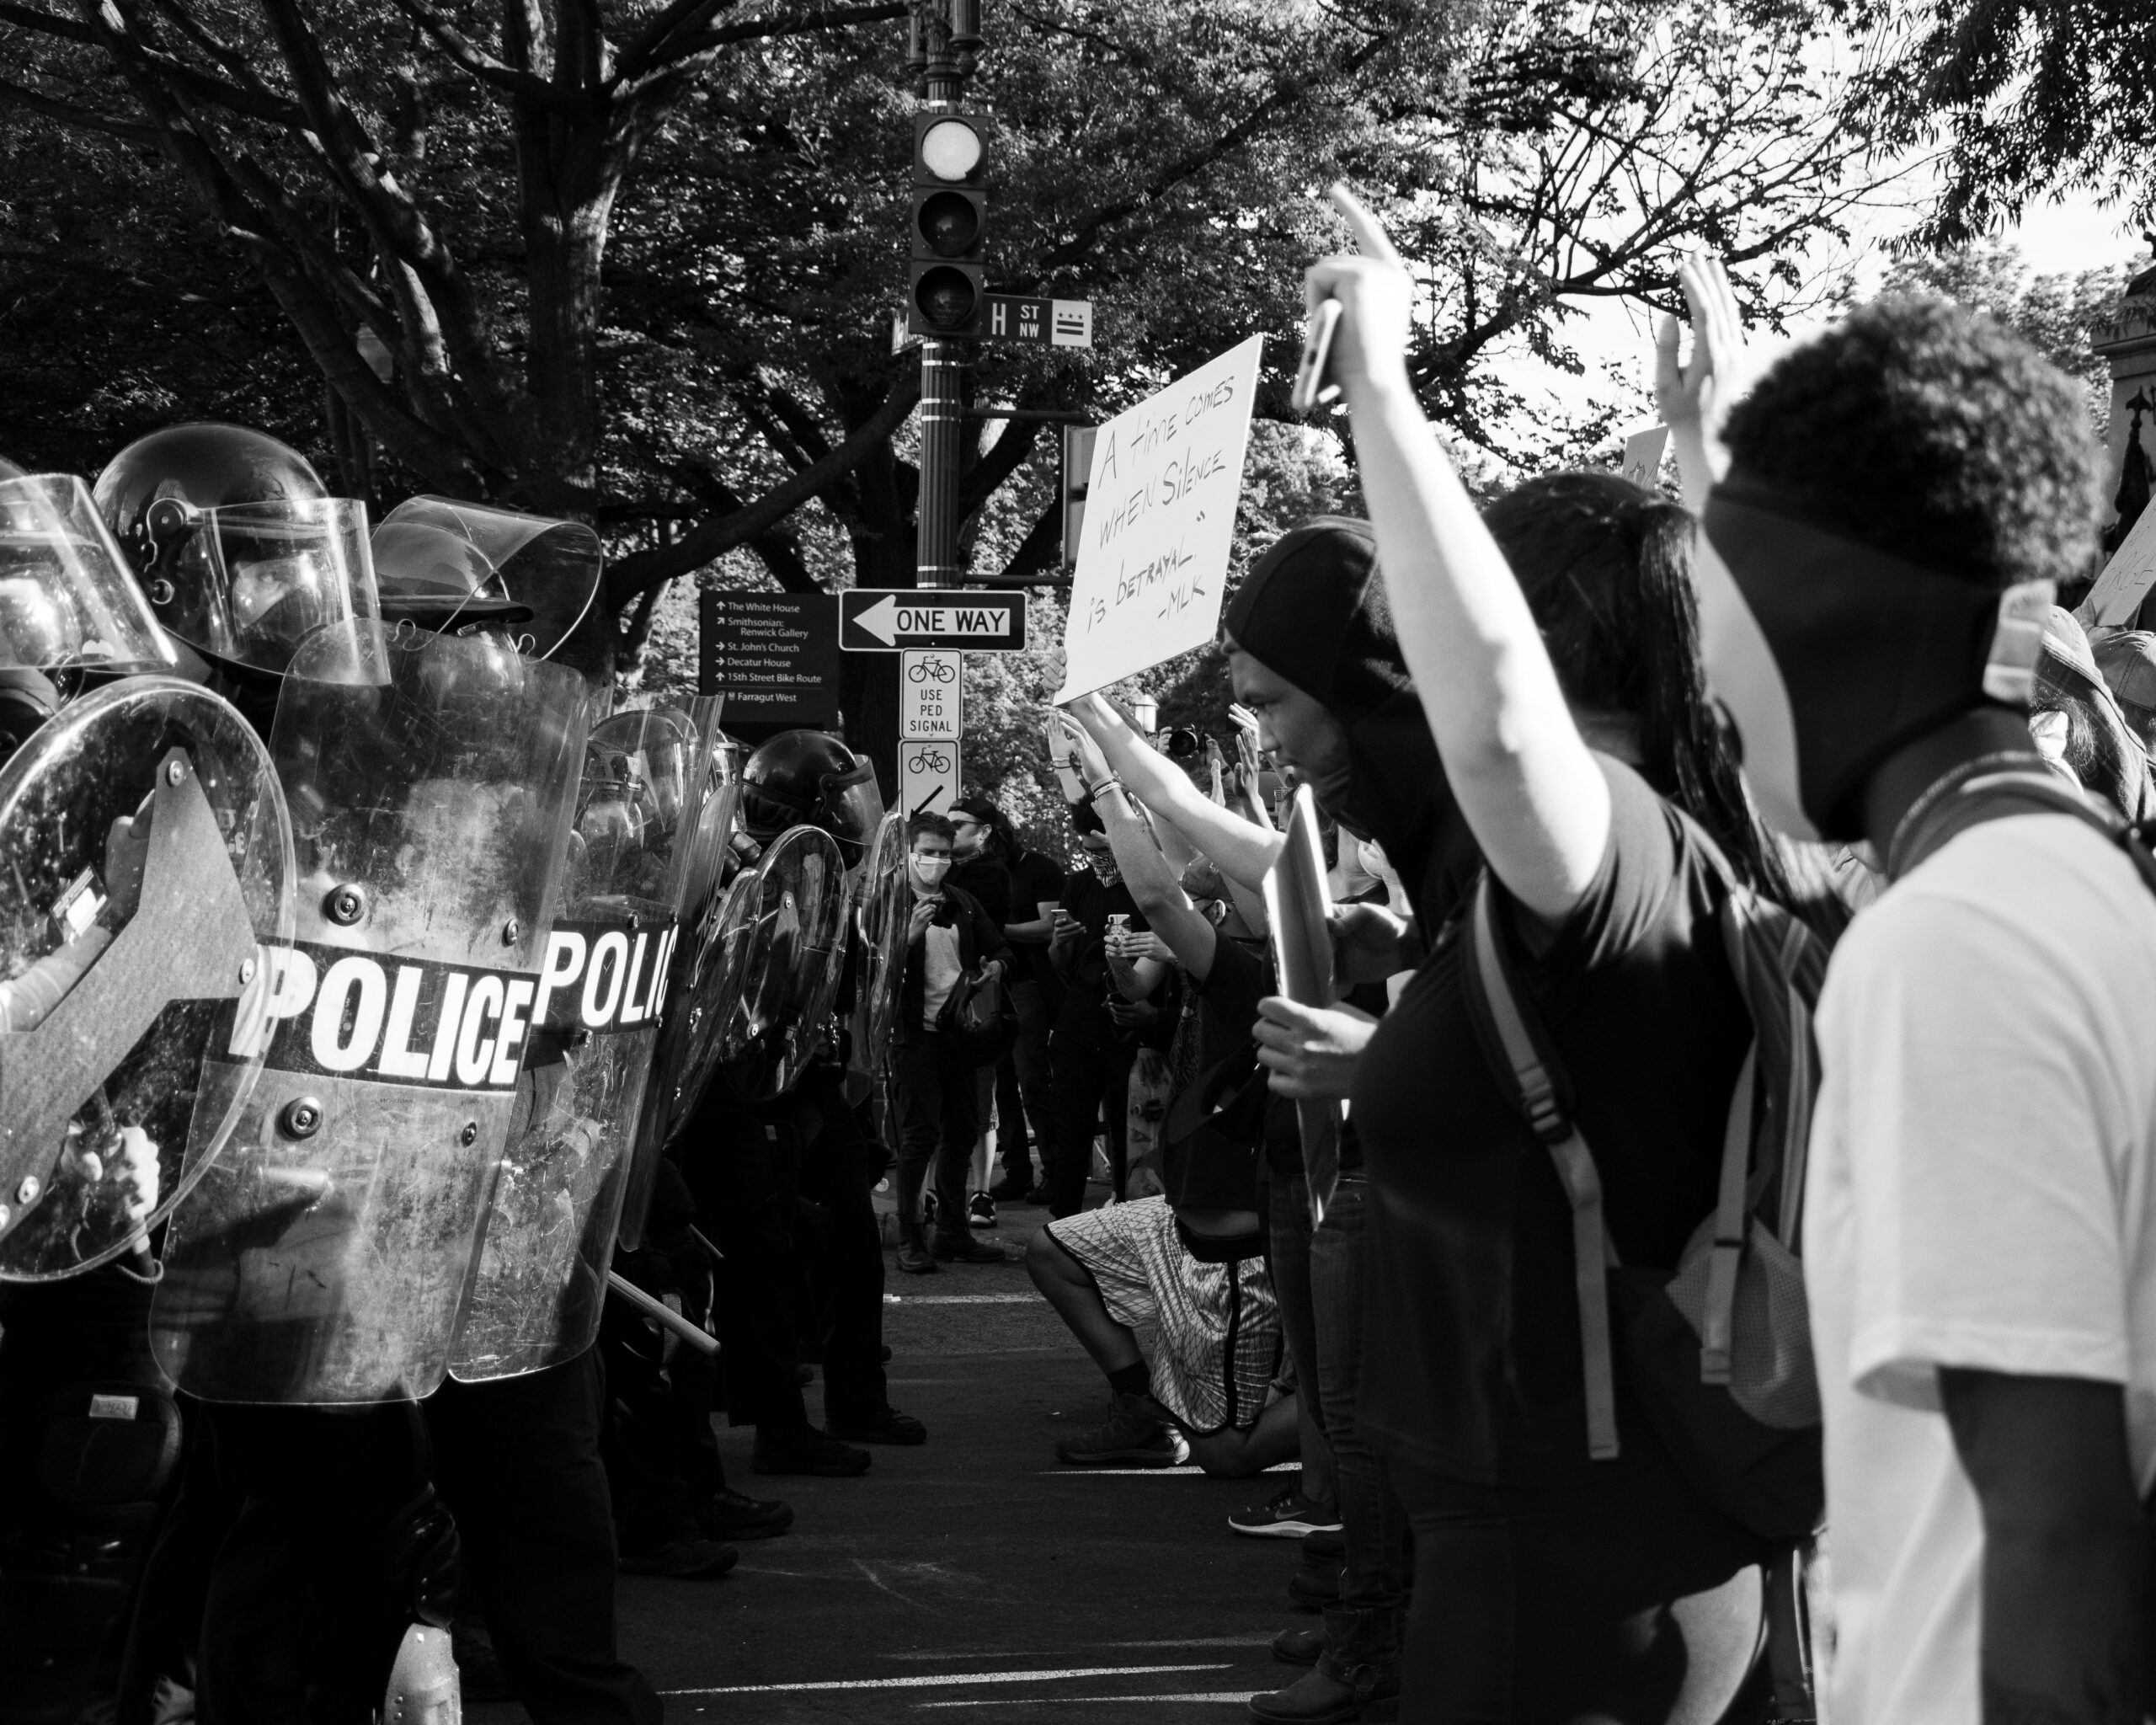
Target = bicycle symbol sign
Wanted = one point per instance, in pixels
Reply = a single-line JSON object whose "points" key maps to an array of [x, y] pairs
{"points": [[928, 777], [931, 697]]}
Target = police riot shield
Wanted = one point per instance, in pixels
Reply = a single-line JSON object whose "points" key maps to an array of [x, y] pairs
{"points": [[603, 992], [882, 903], [791, 961], [327, 1256], [144, 855]]}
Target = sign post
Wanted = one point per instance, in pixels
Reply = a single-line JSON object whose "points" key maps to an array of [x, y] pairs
{"points": [[928, 777]]}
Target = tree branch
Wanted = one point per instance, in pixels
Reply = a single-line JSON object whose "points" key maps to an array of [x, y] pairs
{"points": [[472, 58]]}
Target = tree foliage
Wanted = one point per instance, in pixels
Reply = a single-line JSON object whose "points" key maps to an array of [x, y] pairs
{"points": [[2025, 99]]}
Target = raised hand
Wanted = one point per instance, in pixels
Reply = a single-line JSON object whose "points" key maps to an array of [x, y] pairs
{"points": [[1376, 296], [1695, 398]]}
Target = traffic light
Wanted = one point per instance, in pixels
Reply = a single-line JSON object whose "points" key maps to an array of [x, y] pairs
{"points": [[950, 221]]}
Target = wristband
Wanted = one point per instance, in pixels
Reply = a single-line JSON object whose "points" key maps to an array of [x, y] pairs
{"points": [[1093, 791]]}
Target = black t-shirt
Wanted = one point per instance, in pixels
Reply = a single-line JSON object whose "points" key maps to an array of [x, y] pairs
{"points": [[1033, 878], [1093, 904], [1473, 1366], [989, 882]]}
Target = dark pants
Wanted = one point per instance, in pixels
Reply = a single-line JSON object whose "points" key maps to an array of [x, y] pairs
{"points": [[1288, 1264], [743, 1170], [1024, 1094], [518, 1465], [840, 1167], [1620, 1596], [1365, 1631], [165, 1636], [1090, 1068], [938, 1097]]}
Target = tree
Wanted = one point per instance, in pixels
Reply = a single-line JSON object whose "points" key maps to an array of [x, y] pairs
{"points": [[2028, 98]]}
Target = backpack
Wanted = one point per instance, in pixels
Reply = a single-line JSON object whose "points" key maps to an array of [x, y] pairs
{"points": [[1720, 1349]]}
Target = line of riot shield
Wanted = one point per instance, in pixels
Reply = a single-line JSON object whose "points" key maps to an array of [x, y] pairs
{"points": [[794, 961], [326, 1257], [145, 879], [540, 1283]]}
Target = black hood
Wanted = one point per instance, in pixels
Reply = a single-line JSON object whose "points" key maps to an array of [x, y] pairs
{"points": [[1313, 609]]}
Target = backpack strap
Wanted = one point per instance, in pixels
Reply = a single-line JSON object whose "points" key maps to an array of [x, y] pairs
{"points": [[1491, 993], [1718, 1320]]}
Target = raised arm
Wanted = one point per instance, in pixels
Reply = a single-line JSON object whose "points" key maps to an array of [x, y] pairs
{"points": [[1527, 783], [1694, 399], [1242, 850], [1154, 886]]}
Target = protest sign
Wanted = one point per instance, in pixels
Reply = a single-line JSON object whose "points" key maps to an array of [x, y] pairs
{"points": [[1642, 460], [2127, 579], [1159, 517]]}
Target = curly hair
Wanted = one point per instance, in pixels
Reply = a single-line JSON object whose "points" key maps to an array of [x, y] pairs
{"points": [[1933, 434]]}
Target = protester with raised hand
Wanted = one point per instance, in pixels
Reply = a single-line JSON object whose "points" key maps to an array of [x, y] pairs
{"points": [[1885, 513], [1553, 650]]}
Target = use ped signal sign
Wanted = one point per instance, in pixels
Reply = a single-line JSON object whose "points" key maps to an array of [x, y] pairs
{"points": [[897, 619]]}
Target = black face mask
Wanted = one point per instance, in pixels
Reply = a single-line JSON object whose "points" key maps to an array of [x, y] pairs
{"points": [[1828, 656]]}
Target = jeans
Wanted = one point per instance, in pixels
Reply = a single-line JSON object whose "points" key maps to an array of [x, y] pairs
{"points": [[1288, 1262], [1025, 1087], [1372, 1521], [1089, 1066], [939, 1118], [1620, 1597]]}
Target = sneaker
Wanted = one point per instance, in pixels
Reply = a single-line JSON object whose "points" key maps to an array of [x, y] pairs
{"points": [[1314, 1589], [889, 1426], [729, 1514], [916, 1259], [1131, 1437], [1037, 1194], [980, 1211], [809, 1451], [967, 1249], [684, 1556], [1287, 1514], [1011, 1190], [1299, 1646]]}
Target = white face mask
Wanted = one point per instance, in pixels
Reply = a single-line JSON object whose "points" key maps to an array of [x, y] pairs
{"points": [[929, 870]]}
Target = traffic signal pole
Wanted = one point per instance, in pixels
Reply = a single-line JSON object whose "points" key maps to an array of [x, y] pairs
{"points": [[948, 32]]}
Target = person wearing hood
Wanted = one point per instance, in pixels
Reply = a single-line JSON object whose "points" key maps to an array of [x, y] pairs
{"points": [[1565, 1566]]}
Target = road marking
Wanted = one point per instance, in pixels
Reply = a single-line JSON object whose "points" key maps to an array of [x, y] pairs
{"points": [[952, 1682], [965, 1300], [1194, 1641], [1241, 1697], [1143, 1472]]}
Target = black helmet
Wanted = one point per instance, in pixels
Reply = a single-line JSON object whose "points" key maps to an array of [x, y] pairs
{"points": [[810, 778], [446, 564], [237, 542]]}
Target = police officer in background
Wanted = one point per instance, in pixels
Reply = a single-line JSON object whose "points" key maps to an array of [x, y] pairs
{"points": [[750, 1164]]}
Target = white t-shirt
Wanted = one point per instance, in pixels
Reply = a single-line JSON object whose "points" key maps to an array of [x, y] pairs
{"points": [[1980, 1196], [941, 971]]}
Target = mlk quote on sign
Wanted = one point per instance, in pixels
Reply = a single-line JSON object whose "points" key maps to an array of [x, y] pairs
{"points": [[1160, 519]]}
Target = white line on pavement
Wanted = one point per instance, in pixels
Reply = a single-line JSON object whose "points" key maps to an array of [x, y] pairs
{"points": [[1188, 1641], [964, 1299], [1240, 1696], [970, 1677], [1136, 1473]]}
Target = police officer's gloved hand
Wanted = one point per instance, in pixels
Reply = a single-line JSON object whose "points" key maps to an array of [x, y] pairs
{"points": [[424, 1559]]}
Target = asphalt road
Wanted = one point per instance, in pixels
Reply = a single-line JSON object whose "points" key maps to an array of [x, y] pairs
{"points": [[975, 1578]]}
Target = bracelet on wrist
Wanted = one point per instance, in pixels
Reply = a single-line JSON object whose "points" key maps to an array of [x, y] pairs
{"points": [[1110, 783]]}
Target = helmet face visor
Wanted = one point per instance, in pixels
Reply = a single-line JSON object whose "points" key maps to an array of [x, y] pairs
{"points": [[249, 582], [853, 808], [66, 597], [444, 562]]}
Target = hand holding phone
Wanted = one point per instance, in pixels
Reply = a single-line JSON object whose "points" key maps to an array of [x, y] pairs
{"points": [[1313, 386]]}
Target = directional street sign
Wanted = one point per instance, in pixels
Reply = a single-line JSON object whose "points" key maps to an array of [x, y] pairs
{"points": [[931, 697], [1009, 316], [898, 619], [928, 777]]}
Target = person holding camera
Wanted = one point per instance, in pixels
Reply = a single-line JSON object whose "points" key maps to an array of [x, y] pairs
{"points": [[952, 943]]}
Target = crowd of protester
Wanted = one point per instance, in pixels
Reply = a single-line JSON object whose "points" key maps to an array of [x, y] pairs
{"points": [[1731, 1275]]}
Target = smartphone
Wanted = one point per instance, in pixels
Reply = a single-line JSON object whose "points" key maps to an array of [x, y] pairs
{"points": [[1312, 389]]}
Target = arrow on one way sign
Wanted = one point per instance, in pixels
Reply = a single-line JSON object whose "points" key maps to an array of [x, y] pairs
{"points": [[885, 620]]}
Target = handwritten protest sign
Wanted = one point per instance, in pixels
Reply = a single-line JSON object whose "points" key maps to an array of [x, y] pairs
{"points": [[1160, 516], [2126, 577], [1642, 461]]}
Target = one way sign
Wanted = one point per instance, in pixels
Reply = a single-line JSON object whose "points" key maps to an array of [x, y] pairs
{"points": [[892, 620]]}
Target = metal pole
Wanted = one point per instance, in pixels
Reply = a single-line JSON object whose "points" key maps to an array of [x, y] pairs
{"points": [[935, 553]]}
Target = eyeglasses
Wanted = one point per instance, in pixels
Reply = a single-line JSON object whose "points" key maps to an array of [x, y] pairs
{"points": [[957, 824]]}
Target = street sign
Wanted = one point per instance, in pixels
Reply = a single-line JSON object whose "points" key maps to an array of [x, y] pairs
{"points": [[774, 656], [928, 777], [931, 698], [897, 619], [1009, 316]]}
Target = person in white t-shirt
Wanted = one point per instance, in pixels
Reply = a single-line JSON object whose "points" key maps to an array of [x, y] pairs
{"points": [[1888, 510]]}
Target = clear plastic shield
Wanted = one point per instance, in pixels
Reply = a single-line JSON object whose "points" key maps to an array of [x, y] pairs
{"points": [[251, 582], [444, 561], [326, 1257], [67, 600], [146, 867], [791, 964], [882, 903], [604, 984]]}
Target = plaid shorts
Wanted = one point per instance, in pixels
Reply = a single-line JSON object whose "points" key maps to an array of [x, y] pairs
{"points": [[1217, 1326]]}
